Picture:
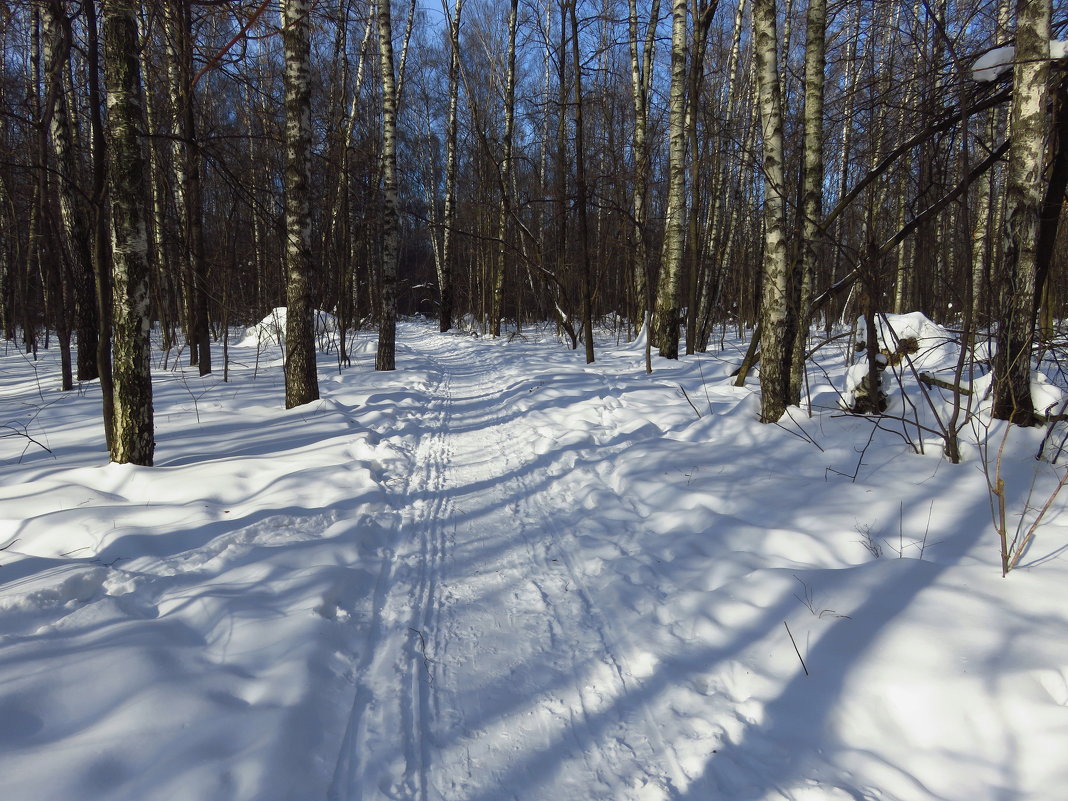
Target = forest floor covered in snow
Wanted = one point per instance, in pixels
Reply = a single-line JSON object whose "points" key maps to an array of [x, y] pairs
{"points": [[500, 573]]}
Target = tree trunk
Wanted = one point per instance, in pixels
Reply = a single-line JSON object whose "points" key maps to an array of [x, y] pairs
{"points": [[385, 359], [302, 384], [774, 374], [582, 190], [641, 69], [668, 285], [1024, 194], [101, 241], [507, 173], [812, 185], [447, 276], [73, 209], [133, 426]]}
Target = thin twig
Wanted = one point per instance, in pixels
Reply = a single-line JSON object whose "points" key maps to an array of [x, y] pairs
{"points": [[803, 665]]}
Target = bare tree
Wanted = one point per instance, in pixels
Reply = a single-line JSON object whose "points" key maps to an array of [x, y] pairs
{"points": [[302, 384], [133, 440], [1024, 192], [387, 325], [774, 355], [668, 297]]}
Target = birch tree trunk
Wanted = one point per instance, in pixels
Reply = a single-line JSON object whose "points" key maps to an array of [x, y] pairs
{"points": [[641, 69], [812, 184], [101, 240], [1024, 193], [188, 173], [668, 285], [703, 15], [774, 364], [582, 190], [447, 275], [302, 384], [133, 436], [74, 213], [385, 359], [507, 172]]}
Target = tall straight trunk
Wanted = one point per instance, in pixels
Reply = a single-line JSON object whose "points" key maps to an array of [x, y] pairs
{"points": [[723, 216], [53, 257], [73, 209], [302, 383], [668, 285], [188, 155], [774, 373], [134, 440], [101, 240], [507, 173], [1024, 193], [703, 15], [447, 277], [163, 283], [811, 184], [582, 189], [641, 75], [386, 357]]}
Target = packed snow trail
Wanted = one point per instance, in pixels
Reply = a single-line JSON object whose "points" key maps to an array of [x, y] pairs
{"points": [[491, 674]]}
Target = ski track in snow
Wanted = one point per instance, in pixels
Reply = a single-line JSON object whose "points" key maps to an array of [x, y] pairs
{"points": [[475, 523]]}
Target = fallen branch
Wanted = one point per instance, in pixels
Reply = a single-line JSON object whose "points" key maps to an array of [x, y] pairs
{"points": [[929, 380]]}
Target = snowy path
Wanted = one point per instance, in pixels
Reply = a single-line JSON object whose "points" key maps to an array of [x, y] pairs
{"points": [[490, 667]]}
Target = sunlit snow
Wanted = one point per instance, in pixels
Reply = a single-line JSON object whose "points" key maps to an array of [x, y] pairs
{"points": [[501, 573]]}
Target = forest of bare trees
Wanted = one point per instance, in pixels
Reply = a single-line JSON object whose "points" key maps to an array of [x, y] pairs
{"points": [[688, 167]]}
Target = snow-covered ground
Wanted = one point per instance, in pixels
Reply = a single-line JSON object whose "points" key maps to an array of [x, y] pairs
{"points": [[499, 573]]}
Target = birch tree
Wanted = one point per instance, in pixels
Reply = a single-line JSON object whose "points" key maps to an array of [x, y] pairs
{"points": [[812, 184], [446, 276], [73, 209], [302, 385], [188, 185], [668, 285], [133, 436], [641, 77], [774, 355], [1024, 192], [385, 359]]}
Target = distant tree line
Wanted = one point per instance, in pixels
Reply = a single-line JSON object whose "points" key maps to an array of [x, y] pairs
{"points": [[675, 165]]}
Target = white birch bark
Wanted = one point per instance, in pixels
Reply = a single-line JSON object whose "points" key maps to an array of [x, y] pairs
{"points": [[1024, 191], [812, 182], [302, 385], [668, 284], [133, 438], [773, 306], [385, 359]]}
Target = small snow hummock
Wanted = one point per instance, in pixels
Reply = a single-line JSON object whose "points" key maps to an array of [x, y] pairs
{"points": [[272, 328]]}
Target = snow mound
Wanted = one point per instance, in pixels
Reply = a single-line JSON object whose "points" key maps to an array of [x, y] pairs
{"points": [[272, 328], [1047, 398], [937, 347]]}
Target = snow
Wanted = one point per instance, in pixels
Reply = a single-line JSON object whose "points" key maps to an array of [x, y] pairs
{"points": [[501, 573], [272, 328], [992, 65]]}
